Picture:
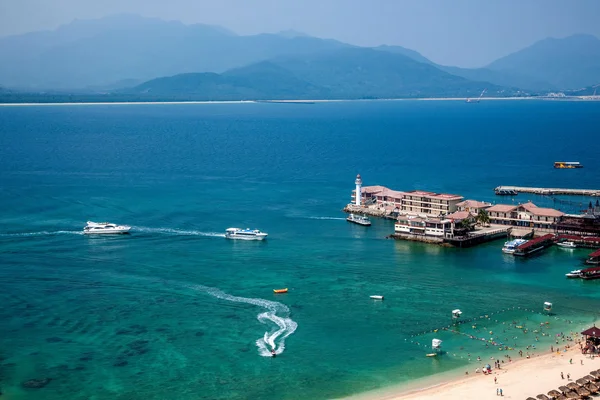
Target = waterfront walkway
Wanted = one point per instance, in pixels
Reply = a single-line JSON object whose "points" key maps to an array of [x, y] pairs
{"points": [[576, 192]]}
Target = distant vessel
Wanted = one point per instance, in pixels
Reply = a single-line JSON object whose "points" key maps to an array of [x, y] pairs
{"points": [[359, 219], [511, 246], [105, 228], [245, 234], [567, 164], [477, 100], [376, 297], [576, 273], [567, 245], [506, 192], [280, 290]]}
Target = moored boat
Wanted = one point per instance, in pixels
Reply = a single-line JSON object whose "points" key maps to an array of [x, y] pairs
{"points": [[245, 234], [105, 228], [510, 246], [280, 290], [567, 245], [506, 192], [576, 273], [590, 273], [376, 297], [359, 219]]}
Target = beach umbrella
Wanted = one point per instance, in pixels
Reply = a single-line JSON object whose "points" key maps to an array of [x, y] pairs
{"points": [[572, 386], [561, 397], [572, 395], [583, 392], [542, 397], [554, 393], [595, 374], [563, 389], [582, 381], [590, 378], [592, 388]]}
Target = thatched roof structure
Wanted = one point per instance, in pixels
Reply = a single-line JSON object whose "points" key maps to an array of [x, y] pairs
{"points": [[572, 395], [593, 332], [563, 389], [542, 397], [592, 388], [595, 374], [554, 393], [572, 386], [582, 381], [583, 392]]}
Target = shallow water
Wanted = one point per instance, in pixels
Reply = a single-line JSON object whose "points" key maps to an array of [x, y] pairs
{"points": [[173, 309]]}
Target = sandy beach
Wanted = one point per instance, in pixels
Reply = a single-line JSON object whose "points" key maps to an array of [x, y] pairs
{"points": [[518, 379]]}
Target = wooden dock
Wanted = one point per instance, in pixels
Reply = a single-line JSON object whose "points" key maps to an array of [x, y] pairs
{"points": [[551, 191]]}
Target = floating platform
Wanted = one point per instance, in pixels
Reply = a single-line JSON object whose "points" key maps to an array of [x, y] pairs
{"points": [[546, 191]]}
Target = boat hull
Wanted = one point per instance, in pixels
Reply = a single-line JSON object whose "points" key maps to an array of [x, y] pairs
{"points": [[123, 231], [359, 222], [247, 237], [280, 290]]}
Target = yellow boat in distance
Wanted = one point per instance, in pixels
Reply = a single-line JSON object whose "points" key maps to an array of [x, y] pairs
{"points": [[567, 164], [280, 290]]}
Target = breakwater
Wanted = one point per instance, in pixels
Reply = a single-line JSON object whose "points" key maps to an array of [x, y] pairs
{"points": [[548, 191]]}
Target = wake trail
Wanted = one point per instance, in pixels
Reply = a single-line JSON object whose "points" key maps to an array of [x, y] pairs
{"points": [[328, 218], [176, 232], [41, 233], [271, 340]]}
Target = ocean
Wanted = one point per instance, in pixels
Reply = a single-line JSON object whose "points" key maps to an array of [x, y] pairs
{"points": [[174, 310]]}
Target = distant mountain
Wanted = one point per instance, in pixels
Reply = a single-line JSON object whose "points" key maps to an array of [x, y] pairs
{"points": [[99, 52], [415, 55], [353, 73], [569, 63]]}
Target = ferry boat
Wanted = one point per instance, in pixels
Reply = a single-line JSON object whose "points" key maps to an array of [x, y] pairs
{"points": [[567, 164], [359, 219], [576, 273], [245, 234], [534, 245], [567, 245], [511, 246], [105, 228]]}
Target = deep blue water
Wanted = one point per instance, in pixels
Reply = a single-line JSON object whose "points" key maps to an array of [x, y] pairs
{"points": [[175, 311]]}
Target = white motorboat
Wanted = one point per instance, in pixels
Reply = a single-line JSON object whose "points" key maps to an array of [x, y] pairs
{"points": [[105, 228], [245, 234], [511, 246], [567, 245], [359, 219], [576, 273], [376, 297]]}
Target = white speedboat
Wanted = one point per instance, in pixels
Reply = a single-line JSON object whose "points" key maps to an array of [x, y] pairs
{"points": [[245, 234], [576, 273], [567, 245], [105, 228], [359, 219], [511, 246]]}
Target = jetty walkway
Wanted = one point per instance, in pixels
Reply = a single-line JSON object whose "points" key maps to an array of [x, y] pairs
{"points": [[576, 192]]}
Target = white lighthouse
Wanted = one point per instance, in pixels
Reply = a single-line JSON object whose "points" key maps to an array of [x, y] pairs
{"points": [[358, 194]]}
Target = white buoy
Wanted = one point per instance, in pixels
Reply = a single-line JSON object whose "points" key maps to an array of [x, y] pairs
{"points": [[376, 297]]}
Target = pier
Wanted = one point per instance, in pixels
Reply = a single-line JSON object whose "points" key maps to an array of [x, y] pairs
{"points": [[547, 191]]}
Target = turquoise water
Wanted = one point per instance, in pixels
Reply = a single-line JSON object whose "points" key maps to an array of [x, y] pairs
{"points": [[176, 311]]}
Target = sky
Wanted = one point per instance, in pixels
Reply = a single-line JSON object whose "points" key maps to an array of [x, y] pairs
{"points": [[465, 33]]}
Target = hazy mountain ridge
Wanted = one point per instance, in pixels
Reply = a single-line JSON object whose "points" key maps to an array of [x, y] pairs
{"points": [[92, 54]]}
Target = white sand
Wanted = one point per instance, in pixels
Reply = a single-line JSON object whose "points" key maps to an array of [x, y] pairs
{"points": [[518, 380]]}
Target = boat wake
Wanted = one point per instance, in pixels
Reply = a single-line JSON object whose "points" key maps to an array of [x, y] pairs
{"points": [[273, 339], [328, 218], [41, 233], [170, 231]]}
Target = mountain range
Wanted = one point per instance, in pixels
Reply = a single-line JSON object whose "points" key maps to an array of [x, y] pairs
{"points": [[146, 57]]}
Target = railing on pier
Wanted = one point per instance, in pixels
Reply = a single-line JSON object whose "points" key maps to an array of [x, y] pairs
{"points": [[549, 191]]}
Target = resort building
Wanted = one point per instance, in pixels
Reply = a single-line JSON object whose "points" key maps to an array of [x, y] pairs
{"points": [[525, 215], [433, 227], [473, 206], [413, 202]]}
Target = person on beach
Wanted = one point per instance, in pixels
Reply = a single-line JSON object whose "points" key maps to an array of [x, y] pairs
{"points": [[497, 391], [501, 392], [562, 376], [568, 376]]}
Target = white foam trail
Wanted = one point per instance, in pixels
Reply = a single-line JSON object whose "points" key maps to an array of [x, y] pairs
{"points": [[41, 233], [328, 218], [273, 340], [170, 231]]}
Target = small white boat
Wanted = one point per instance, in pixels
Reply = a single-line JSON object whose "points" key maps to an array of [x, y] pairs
{"points": [[245, 234], [376, 297], [511, 246], [105, 228], [359, 219], [567, 245], [576, 273]]}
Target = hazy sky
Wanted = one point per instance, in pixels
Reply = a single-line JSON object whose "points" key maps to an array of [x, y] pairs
{"points": [[466, 33]]}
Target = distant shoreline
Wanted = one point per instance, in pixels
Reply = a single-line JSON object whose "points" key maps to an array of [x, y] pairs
{"points": [[293, 101]]}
